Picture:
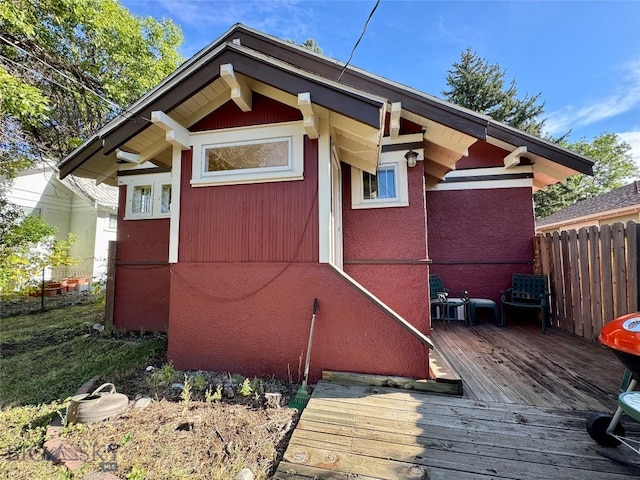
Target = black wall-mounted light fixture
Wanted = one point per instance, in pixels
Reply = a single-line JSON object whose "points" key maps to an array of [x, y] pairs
{"points": [[412, 158]]}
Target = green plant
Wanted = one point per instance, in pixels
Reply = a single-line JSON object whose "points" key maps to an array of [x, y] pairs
{"points": [[245, 389], [126, 438], [257, 386], [199, 381], [137, 473], [211, 396], [185, 395]]}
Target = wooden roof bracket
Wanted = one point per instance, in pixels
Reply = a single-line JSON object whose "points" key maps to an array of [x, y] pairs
{"points": [[513, 159], [394, 122], [175, 133], [310, 120], [240, 92]]}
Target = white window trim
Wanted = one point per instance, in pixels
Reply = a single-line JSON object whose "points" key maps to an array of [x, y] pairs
{"points": [[399, 163], [156, 180], [291, 131]]}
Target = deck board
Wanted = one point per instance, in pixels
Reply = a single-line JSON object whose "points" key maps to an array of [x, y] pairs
{"points": [[526, 396], [385, 433], [519, 364]]}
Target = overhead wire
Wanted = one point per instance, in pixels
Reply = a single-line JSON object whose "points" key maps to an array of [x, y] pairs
{"points": [[64, 87], [31, 70], [364, 29], [110, 102]]}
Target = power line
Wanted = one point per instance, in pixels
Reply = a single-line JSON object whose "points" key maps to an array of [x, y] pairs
{"points": [[35, 72], [360, 38], [73, 80]]}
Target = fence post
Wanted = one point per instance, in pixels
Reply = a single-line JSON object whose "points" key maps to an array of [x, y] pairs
{"points": [[561, 319], [537, 255], [596, 285], [607, 283], [585, 283], [633, 268], [111, 284], [620, 271], [574, 272]]}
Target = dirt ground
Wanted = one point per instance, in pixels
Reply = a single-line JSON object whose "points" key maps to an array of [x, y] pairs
{"points": [[198, 425]]}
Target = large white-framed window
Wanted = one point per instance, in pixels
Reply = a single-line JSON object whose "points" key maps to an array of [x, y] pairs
{"points": [[256, 154], [148, 196], [387, 188]]}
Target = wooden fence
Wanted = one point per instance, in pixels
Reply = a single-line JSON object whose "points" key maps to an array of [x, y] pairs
{"points": [[593, 275]]}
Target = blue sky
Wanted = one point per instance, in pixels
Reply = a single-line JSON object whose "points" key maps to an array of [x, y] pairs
{"points": [[583, 57]]}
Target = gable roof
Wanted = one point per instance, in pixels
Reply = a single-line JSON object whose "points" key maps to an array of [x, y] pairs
{"points": [[103, 195], [619, 199], [275, 67]]}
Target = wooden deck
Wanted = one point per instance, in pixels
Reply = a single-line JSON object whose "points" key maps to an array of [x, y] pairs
{"points": [[523, 416], [519, 364], [368, 433]]}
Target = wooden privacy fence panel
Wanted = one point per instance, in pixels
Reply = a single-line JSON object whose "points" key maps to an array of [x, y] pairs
{"points": [[593, 275]]}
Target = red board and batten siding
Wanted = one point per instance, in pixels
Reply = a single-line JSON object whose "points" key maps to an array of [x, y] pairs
{"points": [[248, 271], [260, 222], [142, 272]]}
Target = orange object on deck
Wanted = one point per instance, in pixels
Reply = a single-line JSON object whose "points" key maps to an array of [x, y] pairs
{"points": [[623, 334]]}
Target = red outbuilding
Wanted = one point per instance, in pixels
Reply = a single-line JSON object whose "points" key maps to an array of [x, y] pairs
{"points": [[252, 182]]}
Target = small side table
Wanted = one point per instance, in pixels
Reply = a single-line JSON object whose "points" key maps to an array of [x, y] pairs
{"points": [[475, 303]]}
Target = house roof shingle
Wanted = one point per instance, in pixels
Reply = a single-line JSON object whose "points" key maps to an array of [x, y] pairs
{"points": [[626, 196], [101, 194]]}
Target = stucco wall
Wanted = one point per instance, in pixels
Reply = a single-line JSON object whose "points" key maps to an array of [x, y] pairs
{"points": [[142, 273], [376, 239], [254, 319], [479, 238]]}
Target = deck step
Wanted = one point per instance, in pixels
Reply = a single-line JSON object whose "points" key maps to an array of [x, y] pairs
{"points": [[421, 385], [441, 370]]}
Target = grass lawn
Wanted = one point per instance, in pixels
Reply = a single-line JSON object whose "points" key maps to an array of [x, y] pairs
{"points": [[44, 359]]}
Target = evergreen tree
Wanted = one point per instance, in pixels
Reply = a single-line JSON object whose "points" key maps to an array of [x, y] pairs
{"points": [[479, 86]]}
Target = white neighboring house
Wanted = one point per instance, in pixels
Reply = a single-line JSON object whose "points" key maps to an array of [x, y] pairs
{"points": [[73, 205]]}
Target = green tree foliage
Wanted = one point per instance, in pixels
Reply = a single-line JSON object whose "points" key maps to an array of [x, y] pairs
{"points": [[613, 168], [27, 245], [309, 44], [479, 86], [66, 65], [66, 68]]}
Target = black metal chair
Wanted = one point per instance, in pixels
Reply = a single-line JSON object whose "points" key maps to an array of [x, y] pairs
{"points": [[530, 292], [444, 303]]}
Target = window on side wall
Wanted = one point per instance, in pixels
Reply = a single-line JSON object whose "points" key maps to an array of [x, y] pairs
{"points": [[256, 154], [387, 188], [112, 222], [148, 196]]}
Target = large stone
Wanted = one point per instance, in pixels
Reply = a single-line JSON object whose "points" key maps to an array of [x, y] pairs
{"points": [[142, 403], [244, 474]]}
